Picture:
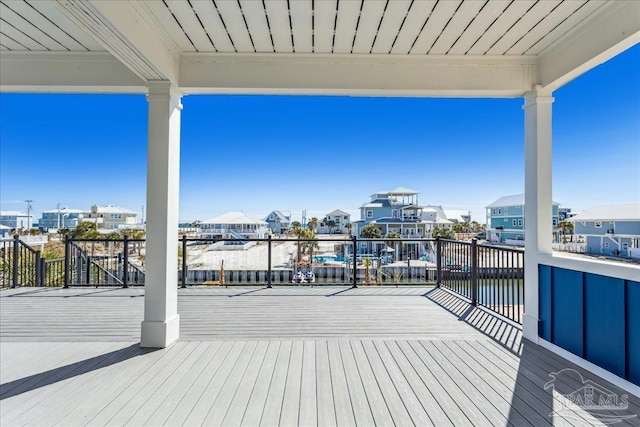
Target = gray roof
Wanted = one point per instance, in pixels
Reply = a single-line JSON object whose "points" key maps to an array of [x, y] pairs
{"points": [[622, 212], [13, 213], [338, 212], [280, 215], [233, 218], [515, 200]]}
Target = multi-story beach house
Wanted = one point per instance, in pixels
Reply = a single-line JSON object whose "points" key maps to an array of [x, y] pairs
{"points": [[278, 222], [505, 220], [233, 225], [15, 220], [110, 217], [335, 223], [610, 230], [60, 218]]}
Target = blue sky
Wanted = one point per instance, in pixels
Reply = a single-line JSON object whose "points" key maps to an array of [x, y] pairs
{"points": [[260, 153]]}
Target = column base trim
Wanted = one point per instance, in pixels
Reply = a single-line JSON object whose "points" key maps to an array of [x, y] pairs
{"points": [[160, 334], [530, 328]]}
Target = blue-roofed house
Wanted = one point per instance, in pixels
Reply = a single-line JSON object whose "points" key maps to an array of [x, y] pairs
{"points": [[610, 230], [60, 218], [278, 222], [505, 220]]}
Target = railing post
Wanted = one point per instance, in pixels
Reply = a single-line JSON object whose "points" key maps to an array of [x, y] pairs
{"points": [[67, 260], [43, 272], [474, 271], [16, 255], [125, 263], [438, 262], [38, 271], [184, 261], [269, 262], [88, 272], [355, 263]]}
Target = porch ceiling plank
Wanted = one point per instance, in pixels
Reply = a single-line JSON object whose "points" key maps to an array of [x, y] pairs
{"points": [[190, 24], [356, 74], [348, 13], [254, 13], [604, 36], [390, 26], [324, 18], [210, 18], [53, 14], [10, 44], [166, 20], [278, 15], [67, 72], [35, 26], [301, 16], [570, 24], [478, 26], [231, 14], [509, 17], [20, 37], [124, 30], [534, 17], [545, 26], [417, 16], [372, 13], [437, 22], [456, 27]]}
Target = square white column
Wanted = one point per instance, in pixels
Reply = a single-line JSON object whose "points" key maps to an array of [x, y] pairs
{"points": [[161, 325], [538, 204]]}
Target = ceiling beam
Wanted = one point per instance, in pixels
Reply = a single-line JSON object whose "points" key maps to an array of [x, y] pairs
{"points": [[125, 30], [67, 72], [366, 75], [605, 35]]}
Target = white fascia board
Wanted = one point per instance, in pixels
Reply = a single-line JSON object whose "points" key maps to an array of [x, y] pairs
{"points": [[125, 30], [592, 266], [66, 72], [611, 30], [365, 75]]}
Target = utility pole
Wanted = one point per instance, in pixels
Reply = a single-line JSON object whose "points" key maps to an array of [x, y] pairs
{"points": [[58, 206], [29, 203]]}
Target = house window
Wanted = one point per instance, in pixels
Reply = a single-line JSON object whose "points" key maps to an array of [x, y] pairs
{"points": [[513, 222], [625, 246], [555, 222], [606, 245], [394, 213], [493, 211], [499, 211], [520, 222], [598, 224], [369, 214]]}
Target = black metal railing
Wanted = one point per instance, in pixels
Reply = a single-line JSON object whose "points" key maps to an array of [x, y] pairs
{"points": [[490, 276]]}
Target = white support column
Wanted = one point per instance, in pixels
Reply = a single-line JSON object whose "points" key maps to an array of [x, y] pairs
{"points": [[161, 325], [537, 211]]}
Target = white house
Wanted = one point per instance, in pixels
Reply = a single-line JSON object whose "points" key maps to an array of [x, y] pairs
{"points": [[233, 225], [111, 217], [335, 223]]}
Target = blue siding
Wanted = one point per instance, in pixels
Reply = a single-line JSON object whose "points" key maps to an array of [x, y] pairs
{"points": [[595, 317], [544, 277], [604, 322], [633, 331], [567, 312]]}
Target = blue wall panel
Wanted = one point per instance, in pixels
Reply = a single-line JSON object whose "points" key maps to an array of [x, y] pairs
{"points": [[605, 322], [544, 277], [567, 294], [633, 331]]}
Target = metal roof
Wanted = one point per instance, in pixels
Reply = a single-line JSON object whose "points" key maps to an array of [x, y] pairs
{"points": [[234, 218], [514, 200], [620, 212]]}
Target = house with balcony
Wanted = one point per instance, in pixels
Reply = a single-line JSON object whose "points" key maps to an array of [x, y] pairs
{"points": [[505, 220], [610, 230], [335, 223], [15, 220], [233, 225], [60, 218], [111, 217], [278, 222]]}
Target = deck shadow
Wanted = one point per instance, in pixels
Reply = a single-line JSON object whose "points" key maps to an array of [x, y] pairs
{"points": [[52, 376]]}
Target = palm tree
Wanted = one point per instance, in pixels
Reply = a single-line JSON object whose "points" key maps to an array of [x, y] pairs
{"points": [[348, 226], [566, 227], [370, 231], [443, 232], [395, 242], [367, 274], [313, 224], [330, 223]]}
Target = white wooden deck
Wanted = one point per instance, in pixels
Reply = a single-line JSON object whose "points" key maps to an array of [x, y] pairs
{"points": [[283, 356]]}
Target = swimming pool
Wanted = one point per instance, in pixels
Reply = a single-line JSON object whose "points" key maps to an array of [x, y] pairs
{"points": [[328, 258]]}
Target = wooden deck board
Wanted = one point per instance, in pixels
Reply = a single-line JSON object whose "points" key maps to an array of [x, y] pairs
{"points": [[286, 356]]}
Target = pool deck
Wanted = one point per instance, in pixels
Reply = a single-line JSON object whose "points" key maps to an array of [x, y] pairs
{"points": [[283, 356]]}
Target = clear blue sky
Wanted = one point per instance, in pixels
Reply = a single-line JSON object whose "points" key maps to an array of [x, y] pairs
{"points": [[261, 153]]}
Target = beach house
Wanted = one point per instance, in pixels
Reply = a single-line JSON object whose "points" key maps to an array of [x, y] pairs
{"points": [[278, 222], [505, 220], [335, 222], [610, 230], [15, 220], [60, 218], [233, 225]]}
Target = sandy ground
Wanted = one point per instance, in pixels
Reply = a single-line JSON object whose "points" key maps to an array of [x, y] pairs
{"points": [[254, 258]]}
